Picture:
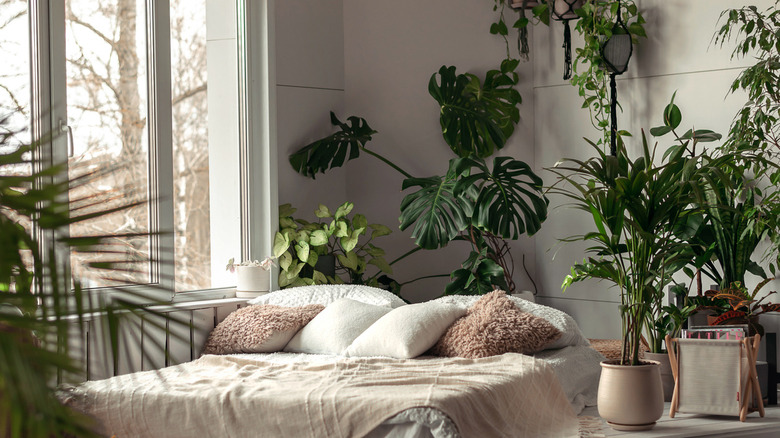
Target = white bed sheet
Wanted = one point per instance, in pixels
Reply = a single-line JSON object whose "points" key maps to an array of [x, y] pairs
{"points": [[576, 367]]}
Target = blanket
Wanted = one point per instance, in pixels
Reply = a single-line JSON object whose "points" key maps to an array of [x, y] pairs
{"points": [[220, 396]]}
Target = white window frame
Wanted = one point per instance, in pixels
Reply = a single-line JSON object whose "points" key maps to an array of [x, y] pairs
{"points": [[257, 132]]}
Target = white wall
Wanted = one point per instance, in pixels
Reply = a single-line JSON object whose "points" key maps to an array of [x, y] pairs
{"points": [[373, 59], [678, 56], [391, 50], [310, 83]]}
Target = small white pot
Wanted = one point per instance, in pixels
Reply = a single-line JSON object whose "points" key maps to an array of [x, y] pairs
{"points": [[252, 281]]}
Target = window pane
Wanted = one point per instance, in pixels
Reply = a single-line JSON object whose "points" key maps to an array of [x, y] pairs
{"points": [[107, 110], [15, 96], [205, 151]]}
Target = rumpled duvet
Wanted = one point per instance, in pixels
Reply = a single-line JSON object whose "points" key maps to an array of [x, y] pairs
{"points": [[223, 396]]}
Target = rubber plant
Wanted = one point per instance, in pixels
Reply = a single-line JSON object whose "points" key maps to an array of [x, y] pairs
{"points": [[299, 244], [473, 201], [38, 304]]}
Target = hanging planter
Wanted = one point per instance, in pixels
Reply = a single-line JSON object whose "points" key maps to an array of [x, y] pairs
{"points": [[616, 52], [528, 4], [564, 10]]}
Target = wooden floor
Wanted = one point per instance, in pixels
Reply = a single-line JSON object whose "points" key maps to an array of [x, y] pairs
{"points": [[687, 425]]}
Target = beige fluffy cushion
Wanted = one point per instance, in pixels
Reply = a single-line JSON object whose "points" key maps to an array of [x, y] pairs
{"points": [[493, 326], [259, 329]]}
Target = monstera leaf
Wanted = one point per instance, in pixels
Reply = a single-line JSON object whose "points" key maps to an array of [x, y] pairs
{"points": [[437, 213], [333, 150], [478, 276], [476, 118], [510, 200]]}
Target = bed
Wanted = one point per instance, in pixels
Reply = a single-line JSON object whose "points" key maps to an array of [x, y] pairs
{"points": [[357, 392]]}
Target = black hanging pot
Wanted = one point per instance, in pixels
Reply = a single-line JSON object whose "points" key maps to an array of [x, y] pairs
{"points": [[564, 10]]}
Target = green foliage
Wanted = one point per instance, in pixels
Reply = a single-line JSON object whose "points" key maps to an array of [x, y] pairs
{"points": [[477, 118], [756, 34], [333, 150], [726, 232], [477, 276], [40, 310], [299, 244], [480, 205], [506, 201], [636, 207], [596, 24]]}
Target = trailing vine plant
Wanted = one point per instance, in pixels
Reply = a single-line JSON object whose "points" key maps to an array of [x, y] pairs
{"points": [[595, 25]]}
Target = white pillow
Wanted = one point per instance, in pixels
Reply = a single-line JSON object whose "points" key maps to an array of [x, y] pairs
{"points": [[334, 329], [327, 293], [407, 331], [570, 332]]}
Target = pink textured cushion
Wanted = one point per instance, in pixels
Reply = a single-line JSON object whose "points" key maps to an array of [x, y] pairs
{"points": [[493, 326], [259, 329]]}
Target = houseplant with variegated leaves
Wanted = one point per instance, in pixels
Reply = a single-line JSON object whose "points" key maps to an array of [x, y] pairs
{"points": [[300, 244]]}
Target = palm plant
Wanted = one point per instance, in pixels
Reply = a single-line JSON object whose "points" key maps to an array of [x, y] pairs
{"points": [[39, 307], [639, 209]]}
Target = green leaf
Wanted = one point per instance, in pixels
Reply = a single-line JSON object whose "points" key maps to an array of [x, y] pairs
{"points": [[659, 131], [475, 117], [285, 260], [437, 214], [302, 250], [281, 243], [382, 264], [318, 238], [343, 210], [672, 116], [510, 200], [322, 211], [333, 150], [341, 229], [349, 261], [379, 230], [349, 242], [286, 210], [359, 221]]}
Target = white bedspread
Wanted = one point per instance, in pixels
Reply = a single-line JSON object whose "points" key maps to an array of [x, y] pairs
{"points": [[242, 396]]}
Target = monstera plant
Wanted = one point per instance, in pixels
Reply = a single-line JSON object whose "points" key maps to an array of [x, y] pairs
{"points": [[483, 204]]}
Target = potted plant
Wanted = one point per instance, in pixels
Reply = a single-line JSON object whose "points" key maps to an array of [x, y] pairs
{"points": [[38, 304], [347, 243], [473, 201], [636, 207], [735, 305], [253, 277]]}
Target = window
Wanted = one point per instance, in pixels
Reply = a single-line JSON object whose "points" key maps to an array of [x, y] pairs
{"points": [[146, 94]]}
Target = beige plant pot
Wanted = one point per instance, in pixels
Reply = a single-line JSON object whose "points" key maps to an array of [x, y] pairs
{"points": [[631, 397], [667, 378]]}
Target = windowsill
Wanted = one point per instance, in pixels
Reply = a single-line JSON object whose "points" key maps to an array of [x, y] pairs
{"points": [[184, 301]]}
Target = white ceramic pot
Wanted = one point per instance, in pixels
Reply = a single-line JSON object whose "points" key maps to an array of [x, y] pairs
{"points": [[631, 397], [252, 281]]}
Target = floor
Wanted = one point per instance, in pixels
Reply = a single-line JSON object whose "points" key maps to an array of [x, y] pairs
{"points": [[688, 425]]}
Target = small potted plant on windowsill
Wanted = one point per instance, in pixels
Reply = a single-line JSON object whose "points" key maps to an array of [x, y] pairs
{"points": [[254, 277]]}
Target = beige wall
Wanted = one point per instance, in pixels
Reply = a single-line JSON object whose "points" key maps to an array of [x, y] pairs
{"points": [[391, 50], [678, 56], [374, 58], [309, 84]]}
